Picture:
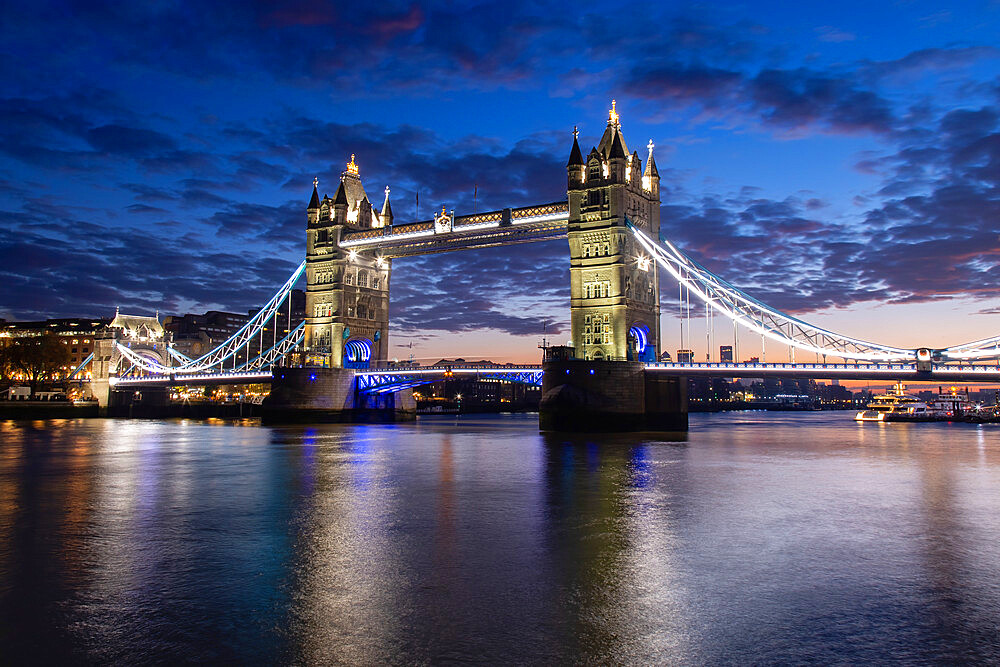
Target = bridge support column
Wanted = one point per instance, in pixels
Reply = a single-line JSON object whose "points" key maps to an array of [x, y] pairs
{"points": [[613, 396], [147, 403], [326, 395]]}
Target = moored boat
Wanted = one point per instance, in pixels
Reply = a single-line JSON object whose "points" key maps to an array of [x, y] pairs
{"points": [[896, 406]]}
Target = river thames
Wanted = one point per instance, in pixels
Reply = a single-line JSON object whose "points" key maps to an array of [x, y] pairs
{"points": [[758, 537]]}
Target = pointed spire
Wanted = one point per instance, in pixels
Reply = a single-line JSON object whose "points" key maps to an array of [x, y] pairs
{"points": [[617, 150], [314, 202], [613, 118], [650, 162], [341, 197], [386, 209], [352, 168], [575, 157]]}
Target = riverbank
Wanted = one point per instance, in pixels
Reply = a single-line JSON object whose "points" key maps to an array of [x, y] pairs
{"points": [[47, 410]]}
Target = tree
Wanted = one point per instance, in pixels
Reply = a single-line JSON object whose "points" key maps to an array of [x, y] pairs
{"points": [[39, 358], [6, 368]]}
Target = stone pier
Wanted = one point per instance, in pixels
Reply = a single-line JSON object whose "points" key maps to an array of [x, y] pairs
{"points": [[610, 396], [325, 395]]}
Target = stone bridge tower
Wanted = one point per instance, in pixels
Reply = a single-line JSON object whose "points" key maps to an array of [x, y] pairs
{"points": [[347, 293], [614, 285]]}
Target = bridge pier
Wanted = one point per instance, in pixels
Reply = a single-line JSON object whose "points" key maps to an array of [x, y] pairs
{"points": [[148, 402], [615, 396], [328, 395]]}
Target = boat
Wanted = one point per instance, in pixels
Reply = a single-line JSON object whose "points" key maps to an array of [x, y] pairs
{"points": [[896, 406], [951, 403]]}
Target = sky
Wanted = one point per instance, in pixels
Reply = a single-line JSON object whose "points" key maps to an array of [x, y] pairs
{"points": [[839, 161]]}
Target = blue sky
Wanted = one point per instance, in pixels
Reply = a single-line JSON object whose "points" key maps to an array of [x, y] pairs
{"points": [[839, 161]]}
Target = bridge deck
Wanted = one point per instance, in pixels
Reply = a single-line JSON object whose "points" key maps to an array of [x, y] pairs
{"points": [[901, 372], [884, 372]]}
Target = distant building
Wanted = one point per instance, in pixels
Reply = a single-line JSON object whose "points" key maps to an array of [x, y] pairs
{"points": [[76, 333], [685, 356], [195, 335], [726, 354]]}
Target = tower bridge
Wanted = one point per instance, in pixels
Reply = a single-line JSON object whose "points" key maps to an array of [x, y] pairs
{"points": [[335, 363]]}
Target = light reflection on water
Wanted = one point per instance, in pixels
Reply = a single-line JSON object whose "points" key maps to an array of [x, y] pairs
{"points": [[760, 537]]}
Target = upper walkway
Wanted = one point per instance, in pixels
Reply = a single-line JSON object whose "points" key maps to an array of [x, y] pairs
{"points": [[480, 230]]}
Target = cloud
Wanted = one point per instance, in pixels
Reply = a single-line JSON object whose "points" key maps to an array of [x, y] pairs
{"points": [[128, 142], [827, 33], [164, 202], [930, 232]]}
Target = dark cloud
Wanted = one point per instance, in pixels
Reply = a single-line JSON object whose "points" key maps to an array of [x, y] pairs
{"points": [[128, 142], [784, 99], [515, 289], [931, 232]]}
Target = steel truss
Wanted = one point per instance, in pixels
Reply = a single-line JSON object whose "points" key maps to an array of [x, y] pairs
{"points": [[231, 346], [383, 382], [776, 325]]}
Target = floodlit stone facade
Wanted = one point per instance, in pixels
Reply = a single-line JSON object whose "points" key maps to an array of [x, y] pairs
{"points": [[615, 289], [347, 293]]}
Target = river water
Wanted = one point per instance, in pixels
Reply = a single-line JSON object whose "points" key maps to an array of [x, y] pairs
{"points": [[758, 537]]}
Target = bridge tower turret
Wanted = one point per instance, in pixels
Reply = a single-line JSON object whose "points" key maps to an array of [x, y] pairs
{"points": [[614, 286], [347, 293]]}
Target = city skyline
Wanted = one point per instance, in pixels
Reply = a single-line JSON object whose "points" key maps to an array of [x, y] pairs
{"points": [[841, 169]]}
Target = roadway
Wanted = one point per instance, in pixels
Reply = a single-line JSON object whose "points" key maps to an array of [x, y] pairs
{"points": [[949, 373]]}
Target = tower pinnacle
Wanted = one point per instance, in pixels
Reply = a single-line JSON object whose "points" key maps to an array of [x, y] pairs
{"points": [[314, 202], [351, 166], [613, 118]]}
